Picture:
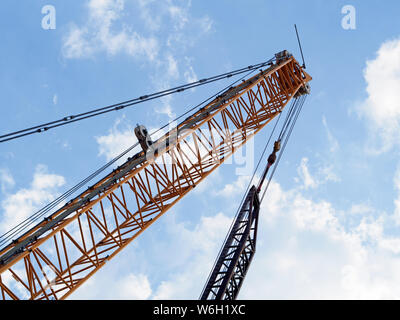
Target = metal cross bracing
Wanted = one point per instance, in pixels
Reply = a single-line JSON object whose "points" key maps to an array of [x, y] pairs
{"points": [[237, 253], [55, 257]]}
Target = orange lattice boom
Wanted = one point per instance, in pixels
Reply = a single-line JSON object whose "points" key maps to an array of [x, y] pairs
{"points": [[54, 258]]}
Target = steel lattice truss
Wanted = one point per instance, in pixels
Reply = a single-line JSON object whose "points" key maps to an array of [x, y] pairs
{"points": [[239, 248], [58, 255]]}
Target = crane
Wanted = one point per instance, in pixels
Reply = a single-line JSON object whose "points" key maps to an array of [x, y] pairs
{"points": [[56, 256]]}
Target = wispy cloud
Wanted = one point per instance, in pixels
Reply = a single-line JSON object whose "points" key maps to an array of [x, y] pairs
{"points": [[308, 180], [128, 287], [333, 143], [117, 140], [19, 205], [55, 99], [6, 180], [99, 34], [322, 175]]}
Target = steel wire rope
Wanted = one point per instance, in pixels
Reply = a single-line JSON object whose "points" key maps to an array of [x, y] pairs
{"points": [[115, 107], [242, 200], [294, 111], [18, 229], [299, 108]]}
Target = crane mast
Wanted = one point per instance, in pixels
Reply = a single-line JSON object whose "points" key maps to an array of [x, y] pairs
{"points": [[55, 257], [239, 248]]}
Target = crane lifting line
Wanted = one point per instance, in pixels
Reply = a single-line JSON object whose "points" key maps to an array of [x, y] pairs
{"points": [[17, 231], [294, 120], [285, 133], [119, 106]]}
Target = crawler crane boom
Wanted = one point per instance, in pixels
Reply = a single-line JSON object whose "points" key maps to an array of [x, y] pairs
{"points": [[56, 256]]}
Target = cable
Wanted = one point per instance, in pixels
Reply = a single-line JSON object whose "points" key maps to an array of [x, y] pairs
{"points": [[285, 133], [299, 107], [18, 229], [115, 107], [241, 202]]}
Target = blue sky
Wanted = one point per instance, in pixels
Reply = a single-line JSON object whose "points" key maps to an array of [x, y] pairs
{"points": [[330, 220]]}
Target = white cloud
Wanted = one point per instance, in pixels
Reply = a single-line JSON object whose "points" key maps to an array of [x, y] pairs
{"points": [[26, 201], [169, 29], [98, 34], [173, 71], [327, 174], [334, 144], [179, 16], [121, 137], [397, 200], [187, 29], [76, 45], [117, 141], [304, 252], [135, 287], [236, 188], [208, 184], [179, 255], [360, 208], [304, 173], [323, 175], [152, 21], [189, 74], [6, 180], [206, 24], [166, 108], [126, 287], [106, 30], [55, 99], [197, 252], [381, 108]]}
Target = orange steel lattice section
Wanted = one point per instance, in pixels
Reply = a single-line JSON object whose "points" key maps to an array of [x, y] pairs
{"points": [[58, 255]]}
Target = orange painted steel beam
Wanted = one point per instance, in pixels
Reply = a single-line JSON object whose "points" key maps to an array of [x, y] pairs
{"points": [[57, 256]]}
